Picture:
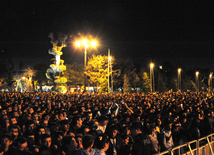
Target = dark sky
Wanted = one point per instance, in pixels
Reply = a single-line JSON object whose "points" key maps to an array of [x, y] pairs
{"points": [[181, 31]]}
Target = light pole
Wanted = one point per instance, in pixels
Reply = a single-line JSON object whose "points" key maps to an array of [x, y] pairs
{"points": [[179, 78], [197, 80], [152, 83], [110, 84], [109, 58], [210, 81], [111, 77], [86, 44]]}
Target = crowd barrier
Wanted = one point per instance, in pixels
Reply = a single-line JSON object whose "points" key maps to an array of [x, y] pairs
{"points": [[202, 146]]}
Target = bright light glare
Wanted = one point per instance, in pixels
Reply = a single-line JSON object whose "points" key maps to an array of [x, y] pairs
{"points": [[151, 65], [179, 70], [109, 58], [84, 42], [197, 73], [77, 43], [93, 43]]}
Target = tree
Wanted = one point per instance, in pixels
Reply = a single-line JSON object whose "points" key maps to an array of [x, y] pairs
{"points": [[97, 71], [74, 74], [126, 67], [40, 74], [126, 84], [2, 83], [145, 82], [161, 83], [188, 84]]}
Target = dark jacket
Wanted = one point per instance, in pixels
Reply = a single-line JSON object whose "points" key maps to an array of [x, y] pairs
{"points": [[142, 145], [118, 146]]}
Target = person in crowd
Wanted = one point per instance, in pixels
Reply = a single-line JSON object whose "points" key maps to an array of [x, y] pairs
{"points": [[88, 118], [40, 130], [64, 126], [166, 137], [142, 143], [87, 142], [103, 121], [35, 118], [46, 140], [77, 124], [79, 140], [21, 146], [13, 121], [31, 141], [102, 144], [154, 139], [194, 130], [30, 128], [57, 140], [69, 145], [126, 146], [6, 141], [115, 140], [14, 131]]}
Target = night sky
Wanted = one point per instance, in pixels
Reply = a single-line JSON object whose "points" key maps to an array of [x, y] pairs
{"points": [[179, 31]]}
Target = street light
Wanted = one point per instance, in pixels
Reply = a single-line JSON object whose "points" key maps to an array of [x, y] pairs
{"points": [[109, 67], [197, 80], [111, 77], [179, 78], [210, 81], [152, 83], [86, 44]]}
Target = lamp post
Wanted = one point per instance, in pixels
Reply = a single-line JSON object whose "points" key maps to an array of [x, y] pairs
{"points": [[210, 82], [108, 68], [179, 78], [85, 42], [152, 84], [111, 77], [197, 80], [110, 84]]}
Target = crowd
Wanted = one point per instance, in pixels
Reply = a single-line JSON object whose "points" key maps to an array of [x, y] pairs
{"points": [[48, 123]]}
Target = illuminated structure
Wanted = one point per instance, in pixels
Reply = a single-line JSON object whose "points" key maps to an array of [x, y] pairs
{"points": [[86, 43], [210, 82], [179, 78], [57, 68], [197, 80], [152, 80], [21, 84]]}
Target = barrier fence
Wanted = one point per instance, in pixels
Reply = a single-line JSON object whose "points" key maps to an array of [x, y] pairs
{"points": [[202, 146]]}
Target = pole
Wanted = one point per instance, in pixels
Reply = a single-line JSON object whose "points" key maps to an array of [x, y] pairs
{"points": [[111, 78], [108, 68], [197, 80], [178, 79], [153, 75], [85, 69], [151, 78], [211, 83]]}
